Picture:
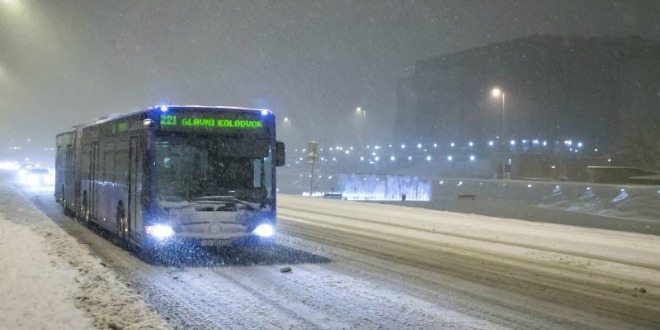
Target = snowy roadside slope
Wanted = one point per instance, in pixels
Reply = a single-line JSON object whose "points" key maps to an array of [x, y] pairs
{"points": [[49, 281], [37, 289]]}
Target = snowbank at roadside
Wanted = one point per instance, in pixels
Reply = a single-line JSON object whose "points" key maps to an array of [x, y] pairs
{"points": [[37, 289], [50, 281]]}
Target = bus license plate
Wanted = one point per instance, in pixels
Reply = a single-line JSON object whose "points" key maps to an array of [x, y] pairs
{"points": [[215, 242]]}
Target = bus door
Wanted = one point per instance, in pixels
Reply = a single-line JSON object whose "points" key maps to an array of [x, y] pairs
{"points": [[75, 180], [68, 180], [134, 189], [93, 178]]}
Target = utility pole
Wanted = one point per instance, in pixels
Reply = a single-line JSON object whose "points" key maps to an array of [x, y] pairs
{"points": [[312, 156]]}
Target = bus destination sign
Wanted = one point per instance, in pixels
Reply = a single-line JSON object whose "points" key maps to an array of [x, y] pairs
{"points": [[188, 121]]}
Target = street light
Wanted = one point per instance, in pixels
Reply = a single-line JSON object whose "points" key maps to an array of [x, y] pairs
{"points": [[496, 93], [286, 129], [363, 112], [359, 110], [15, 9], [12, 4]]}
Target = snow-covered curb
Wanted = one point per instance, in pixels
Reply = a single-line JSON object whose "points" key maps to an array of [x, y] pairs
{"points": [[45, 274]]}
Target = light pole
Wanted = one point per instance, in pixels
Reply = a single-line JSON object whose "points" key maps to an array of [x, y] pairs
{"points": [[363, 113], [287, 123], [286, 128], [312, 156], [497, 92], [12, 4]]}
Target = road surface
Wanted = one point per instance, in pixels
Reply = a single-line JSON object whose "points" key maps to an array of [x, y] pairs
{"points": [[372, 266]]}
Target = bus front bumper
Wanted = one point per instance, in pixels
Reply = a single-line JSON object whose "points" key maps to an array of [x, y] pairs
{"points": [[163, 235]]}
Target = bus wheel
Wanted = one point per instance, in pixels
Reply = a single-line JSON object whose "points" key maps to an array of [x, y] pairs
{"points": [[121, 223]]}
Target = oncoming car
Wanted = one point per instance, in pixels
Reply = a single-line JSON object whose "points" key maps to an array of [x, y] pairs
{"points": [[36, 177]]}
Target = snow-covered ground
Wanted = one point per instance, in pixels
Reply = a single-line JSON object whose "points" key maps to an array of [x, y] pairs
{"points": [[50, 281], [634, 208], [38, 291], [630, 255], [536, 271], [627, 257], [610, 276]]}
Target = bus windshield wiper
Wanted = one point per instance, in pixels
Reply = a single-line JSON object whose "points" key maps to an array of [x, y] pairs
{"points": [[225, 199]]}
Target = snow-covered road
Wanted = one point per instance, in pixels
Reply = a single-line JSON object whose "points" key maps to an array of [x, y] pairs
{"points": [[354, 266], [590, 273], [626, 255]]}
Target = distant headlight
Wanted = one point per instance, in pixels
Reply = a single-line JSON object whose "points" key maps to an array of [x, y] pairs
{"points": [[50, 179], [264, 230], [159, 231], [9, 166], [33, 180]]}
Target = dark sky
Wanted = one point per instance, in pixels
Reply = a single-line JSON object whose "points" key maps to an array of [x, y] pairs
{"points": [[64, 62]]}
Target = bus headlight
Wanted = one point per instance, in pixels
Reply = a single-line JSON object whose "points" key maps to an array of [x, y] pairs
{"points": [[264, 230], [159, 231]]}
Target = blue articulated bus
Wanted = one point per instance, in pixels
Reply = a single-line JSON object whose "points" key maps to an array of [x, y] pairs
{"points": [[166, 174]]}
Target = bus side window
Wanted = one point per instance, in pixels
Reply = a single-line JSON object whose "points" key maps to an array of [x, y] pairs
{"points": [[121, 162], [121, 166], [109, 162]]}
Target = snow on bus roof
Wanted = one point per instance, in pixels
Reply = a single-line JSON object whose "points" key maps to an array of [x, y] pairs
{"points": [[208, 107], [110, 117]]}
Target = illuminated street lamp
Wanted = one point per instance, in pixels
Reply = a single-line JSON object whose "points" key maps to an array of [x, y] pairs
{"points": [[11, 3], [496, 93], [287, 133], [15, 8], [363, 113]]}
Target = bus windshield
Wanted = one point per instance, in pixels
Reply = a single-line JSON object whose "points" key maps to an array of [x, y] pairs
{"points": [[191, 167]]}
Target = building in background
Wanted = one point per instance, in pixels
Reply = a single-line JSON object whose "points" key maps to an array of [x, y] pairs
{"points": [[593, 88]]}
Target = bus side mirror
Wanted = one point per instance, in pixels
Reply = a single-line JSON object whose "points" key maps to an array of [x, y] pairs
{"points": [[279, 153]]}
